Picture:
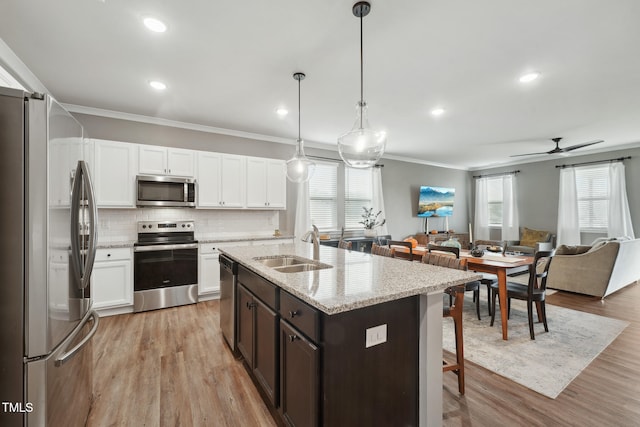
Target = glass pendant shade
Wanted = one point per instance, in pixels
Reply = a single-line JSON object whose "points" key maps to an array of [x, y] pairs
{"points": [[300, 168], [362, 147]]}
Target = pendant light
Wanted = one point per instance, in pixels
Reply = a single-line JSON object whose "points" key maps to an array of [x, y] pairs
{"points": [[299, 167], [362, 146]]}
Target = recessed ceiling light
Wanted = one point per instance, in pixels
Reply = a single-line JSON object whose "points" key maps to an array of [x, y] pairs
{"points": [[529, 77], [155, 25], [437, 111], [282, 112], [157, 85]]}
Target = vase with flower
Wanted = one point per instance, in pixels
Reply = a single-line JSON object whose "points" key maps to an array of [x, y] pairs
{"points": [[370, 221]]}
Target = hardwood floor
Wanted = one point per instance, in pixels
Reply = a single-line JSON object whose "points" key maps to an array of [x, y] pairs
{"points": [[171, 367]]}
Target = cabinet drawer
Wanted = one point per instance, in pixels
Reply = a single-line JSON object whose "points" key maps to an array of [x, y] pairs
{"points": [[260, 287], [113, 254], [208, 248], [300, 314]]}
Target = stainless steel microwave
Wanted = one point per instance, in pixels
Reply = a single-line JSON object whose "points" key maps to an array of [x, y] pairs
{"points": [[165, 191]]}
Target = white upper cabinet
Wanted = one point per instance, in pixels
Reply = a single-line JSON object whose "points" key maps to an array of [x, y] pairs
{"points": [[115, 174], [165, 161], [266, 183], [221, 180]]}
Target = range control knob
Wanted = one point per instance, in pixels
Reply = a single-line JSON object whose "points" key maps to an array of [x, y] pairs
{"points": [[183, 225], [144, 226], [189, 225]]}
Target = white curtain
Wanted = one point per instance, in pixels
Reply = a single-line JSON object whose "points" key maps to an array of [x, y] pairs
{"points": [[303, 213], [378, 199], [481, 223], [510, 223], [568, 221], [619, 215]]}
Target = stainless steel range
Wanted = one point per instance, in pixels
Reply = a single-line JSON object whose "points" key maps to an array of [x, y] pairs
{"points": [[165, 265]]}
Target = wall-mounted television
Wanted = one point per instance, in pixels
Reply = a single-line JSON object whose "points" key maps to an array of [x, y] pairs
{"points": [[435, 202]]}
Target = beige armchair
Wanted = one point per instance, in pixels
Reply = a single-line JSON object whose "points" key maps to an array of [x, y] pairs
{"points": [[595, 270], [531, 241]]}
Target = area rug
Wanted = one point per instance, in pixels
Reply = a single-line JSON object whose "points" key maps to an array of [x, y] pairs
{"points": [[547, 364]]}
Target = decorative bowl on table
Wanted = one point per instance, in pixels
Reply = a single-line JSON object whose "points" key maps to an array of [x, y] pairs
{"points": [[477, 252], [495, 249]]}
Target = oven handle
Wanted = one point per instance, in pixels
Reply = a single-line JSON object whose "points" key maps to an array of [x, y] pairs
{"points": [[152, 248]]}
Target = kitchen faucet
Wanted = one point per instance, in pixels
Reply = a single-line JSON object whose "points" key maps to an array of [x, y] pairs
{"points": [[314, 234]]}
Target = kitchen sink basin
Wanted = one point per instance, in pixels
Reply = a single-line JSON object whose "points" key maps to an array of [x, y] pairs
{"points": [[292, 263], [301, 267], [282, 261]]}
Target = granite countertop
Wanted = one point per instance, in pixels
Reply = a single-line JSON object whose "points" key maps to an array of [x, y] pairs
{"points": [[356, 279], [241, 238], [115, 244]]}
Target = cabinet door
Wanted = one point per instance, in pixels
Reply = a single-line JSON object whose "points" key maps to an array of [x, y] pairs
{"points": [[180, 162], [112, 284], [256, 184], [209, 280], [114, 174], [233, 181], [299, 378], [208, 180], [244, 313], [276, 183], [266, 363], [152, 160]]}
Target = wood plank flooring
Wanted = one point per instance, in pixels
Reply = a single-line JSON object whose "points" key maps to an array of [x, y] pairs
{"points": [[171, 368]]}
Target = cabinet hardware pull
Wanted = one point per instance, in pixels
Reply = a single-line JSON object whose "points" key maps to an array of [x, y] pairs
{"points": [[248, 305], [292, 338], [293, 314], [108, 255]]}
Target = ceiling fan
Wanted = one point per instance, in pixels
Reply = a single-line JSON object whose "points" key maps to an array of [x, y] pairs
{"points": [[561, 150]]}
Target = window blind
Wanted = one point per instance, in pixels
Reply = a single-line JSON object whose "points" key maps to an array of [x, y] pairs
{"points": [[494, 199], [358, 194], [323, 196], [592, 187]]}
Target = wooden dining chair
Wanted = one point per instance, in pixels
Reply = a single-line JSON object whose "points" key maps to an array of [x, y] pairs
{"points": [[471, 286], [382, 250], [401, 243], [343, 244], [533, 291]]}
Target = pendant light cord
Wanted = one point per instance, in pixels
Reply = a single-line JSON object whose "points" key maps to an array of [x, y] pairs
{"points": [[299, 113], [361, 72]]}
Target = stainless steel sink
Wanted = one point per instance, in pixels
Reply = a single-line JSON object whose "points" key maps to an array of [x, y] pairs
{"points": [[291, 263], [283, 260], [301, 267]]}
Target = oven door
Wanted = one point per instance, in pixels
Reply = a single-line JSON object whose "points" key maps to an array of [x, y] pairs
{"points": [[164, 266]]}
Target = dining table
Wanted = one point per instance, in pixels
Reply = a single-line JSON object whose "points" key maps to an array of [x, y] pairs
{"points": [[500, 264]]}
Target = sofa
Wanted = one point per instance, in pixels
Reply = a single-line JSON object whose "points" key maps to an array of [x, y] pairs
{"points": [[597, 270]]}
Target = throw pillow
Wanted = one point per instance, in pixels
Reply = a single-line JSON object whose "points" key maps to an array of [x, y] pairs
{"points": [[530, 237]]}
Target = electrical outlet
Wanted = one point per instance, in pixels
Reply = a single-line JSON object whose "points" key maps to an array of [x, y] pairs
{"points": [[376, 335]]}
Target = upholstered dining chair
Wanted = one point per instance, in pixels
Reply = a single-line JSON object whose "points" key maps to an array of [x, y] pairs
{"points": [[401, 243], [471, 286], [382, 250], [454, 311], [533, 291]]}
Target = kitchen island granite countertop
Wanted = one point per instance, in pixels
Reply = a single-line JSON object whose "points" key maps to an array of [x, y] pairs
{"points": [[115, 244], [241, 238], [355, 280]]}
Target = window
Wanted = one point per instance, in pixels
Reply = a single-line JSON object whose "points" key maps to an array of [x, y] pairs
{"points": [[358, 193], [337, 195], [323, 196], [494, 199], [592, 187]]}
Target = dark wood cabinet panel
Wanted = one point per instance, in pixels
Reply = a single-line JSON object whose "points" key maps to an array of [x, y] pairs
{"points": [[301, 315], [265, 366], [260, 287], [299, 380], [244, 312]]}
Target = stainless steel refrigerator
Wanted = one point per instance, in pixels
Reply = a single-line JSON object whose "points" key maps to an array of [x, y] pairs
{"points": [[47, 248]]}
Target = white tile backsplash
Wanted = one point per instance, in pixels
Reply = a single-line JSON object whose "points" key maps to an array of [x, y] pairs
{"points": [[115, 225]]}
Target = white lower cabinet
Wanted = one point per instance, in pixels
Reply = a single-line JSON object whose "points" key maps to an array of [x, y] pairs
{"points": [[112, 278], [209, 268]]}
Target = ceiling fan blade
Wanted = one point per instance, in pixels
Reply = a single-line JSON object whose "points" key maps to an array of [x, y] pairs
{"points": [[528, 154], [586, 144]]}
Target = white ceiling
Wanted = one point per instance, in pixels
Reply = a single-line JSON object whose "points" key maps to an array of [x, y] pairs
{"points": [[229, 64]]}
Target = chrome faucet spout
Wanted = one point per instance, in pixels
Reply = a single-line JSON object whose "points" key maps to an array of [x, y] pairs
{"points": [[315, 238]]}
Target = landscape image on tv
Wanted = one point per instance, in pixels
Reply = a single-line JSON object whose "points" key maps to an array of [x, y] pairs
{"points": [[435, 201]]}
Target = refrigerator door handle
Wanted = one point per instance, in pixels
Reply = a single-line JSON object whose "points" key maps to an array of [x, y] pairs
{"points": [[68, 354], [82, 181], [93, 218]]}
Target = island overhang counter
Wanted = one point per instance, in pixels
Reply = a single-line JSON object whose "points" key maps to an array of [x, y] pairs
{"points": [[368, 327]]}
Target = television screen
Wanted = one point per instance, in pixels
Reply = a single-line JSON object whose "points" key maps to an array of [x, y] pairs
{"points": [[435, 201]]}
